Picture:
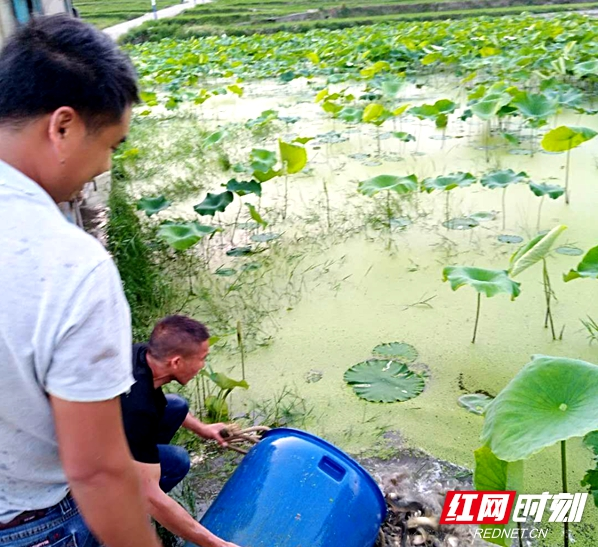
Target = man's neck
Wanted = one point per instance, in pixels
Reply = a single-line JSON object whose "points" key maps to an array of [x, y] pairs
{"points": [[160, 376]]}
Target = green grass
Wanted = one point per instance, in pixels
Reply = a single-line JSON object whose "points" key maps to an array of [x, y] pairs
{"points": [[243, 17], [105, 13]]}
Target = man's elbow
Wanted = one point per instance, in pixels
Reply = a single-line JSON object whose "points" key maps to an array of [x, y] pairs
{"points": [[99, 470]]}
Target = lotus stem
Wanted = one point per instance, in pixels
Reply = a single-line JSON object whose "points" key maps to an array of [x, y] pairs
{"points": [[286, 197], [477, 319], [232, 236], [241, 344], [548, 295], [540, 213], [565, 488], [567, 199], [198, 398], [327, 198], [447, 209], [504, 208], [488, 128], [520, 534], [378, 140]]}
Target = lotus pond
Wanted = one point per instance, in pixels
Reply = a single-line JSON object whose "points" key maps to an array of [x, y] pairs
{"points": [[378, 246]]}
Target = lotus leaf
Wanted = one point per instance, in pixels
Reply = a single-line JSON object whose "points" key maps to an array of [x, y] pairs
{"points": [[488, 282], [242, 188], [293, 156], [551, 399], [476, 403], [400, 185], [553, 191], [566, 138], [398, 351], [587, 268], [182, 236], [502, 178], [534, 251], [448, 182], [384, 381], [214, 203], [151, 206]]}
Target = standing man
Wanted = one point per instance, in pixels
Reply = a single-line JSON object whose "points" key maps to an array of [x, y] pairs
{"points": [[66, 475], [177, 350]]}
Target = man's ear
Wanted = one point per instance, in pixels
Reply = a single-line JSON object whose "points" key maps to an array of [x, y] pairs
{"points": [[175, 362], [64, 123]]}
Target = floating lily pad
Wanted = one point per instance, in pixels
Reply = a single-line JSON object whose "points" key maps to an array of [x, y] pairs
{"points": [[506, 238], [225, 272], [372, 163], [264, 238], [239, 251], [313, 376], [359, 156], [384, 381], [398, 351], [569, 250], [475, 403], [331, 138], [484, 216], [391, 157], [401, 222], [182, 236], [465, 223], [251, 266]]}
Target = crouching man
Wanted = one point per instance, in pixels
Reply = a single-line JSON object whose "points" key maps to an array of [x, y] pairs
{"points": [[177, 350]]}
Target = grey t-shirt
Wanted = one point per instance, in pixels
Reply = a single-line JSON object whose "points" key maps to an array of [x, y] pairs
{"points": [[64, 330]]}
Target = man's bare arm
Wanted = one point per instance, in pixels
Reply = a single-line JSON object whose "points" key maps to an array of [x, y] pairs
{"points": [[101, 473], [170, 514]]}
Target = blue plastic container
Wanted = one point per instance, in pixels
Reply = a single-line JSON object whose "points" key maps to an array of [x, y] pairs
{"points": [[294, 489]]}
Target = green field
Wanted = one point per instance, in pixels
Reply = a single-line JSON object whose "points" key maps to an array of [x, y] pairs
{"points": [[249, 16], [105, 13]]}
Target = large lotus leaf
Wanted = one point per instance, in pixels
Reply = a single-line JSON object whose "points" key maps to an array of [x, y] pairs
{"points": [[372, 112], [489, 282], [384, 381], [535, 106], [214, 203], [476, 403], [534, 251], [242, 188], [565, 138], [151, 206], [489, 106], [293, 156], [425, 112], [553, 191], [502, 178], [587, 268], [350, 114], [391, 87], [586, 68], [398, 351], [184, 235], [551, 399], [401, 185], [494, 475], [448, 182], [445, 106], [262, 160]]}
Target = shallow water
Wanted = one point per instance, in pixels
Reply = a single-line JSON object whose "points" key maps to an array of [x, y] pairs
{"points": [[383, 276]]}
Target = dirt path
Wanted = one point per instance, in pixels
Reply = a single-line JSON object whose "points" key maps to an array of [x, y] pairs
{"points": [[117, 31]]}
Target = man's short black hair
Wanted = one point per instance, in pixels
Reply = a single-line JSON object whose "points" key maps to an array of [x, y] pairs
{"points": [[58, 60], [176, 335]]}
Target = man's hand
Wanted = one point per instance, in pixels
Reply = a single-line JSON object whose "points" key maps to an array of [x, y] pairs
{"points": [[212, 431], [170, 514], [206, 431]]}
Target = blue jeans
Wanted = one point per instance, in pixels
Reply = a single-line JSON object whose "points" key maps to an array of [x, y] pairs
{"points": [[63, 526], [174, 460]]}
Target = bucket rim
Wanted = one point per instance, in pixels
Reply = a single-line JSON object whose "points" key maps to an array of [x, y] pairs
{"points": [[358, 467]]}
